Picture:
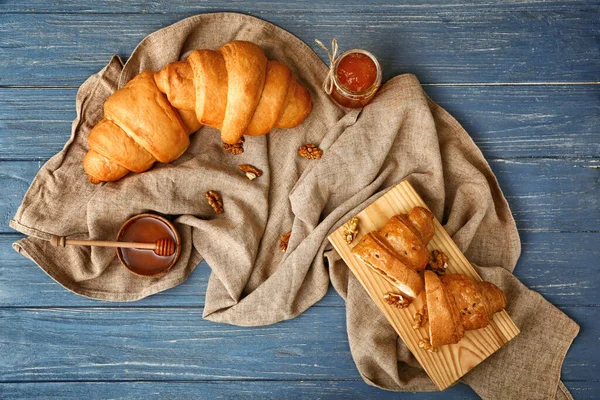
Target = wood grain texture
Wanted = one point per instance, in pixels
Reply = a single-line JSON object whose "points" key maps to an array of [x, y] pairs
{"points": [[450, 362], [174, 344], [504, 121], [278, 6], [545, 195], [317, 389], [461, 44], [301, 390]]}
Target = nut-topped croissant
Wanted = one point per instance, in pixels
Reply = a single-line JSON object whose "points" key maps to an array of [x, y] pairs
{"points": [[398, 251], [457, 303], [234, 89]]}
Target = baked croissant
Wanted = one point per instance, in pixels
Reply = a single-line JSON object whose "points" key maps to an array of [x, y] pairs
{"points": [[398, 251], [457, 303], [234, 89]]}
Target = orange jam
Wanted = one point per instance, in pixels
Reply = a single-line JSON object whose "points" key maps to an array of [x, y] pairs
{"points": [[356, 78], [357, 72]]}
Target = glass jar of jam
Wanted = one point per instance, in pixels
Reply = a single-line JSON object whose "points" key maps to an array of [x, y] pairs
{"points": [[356, 78]]}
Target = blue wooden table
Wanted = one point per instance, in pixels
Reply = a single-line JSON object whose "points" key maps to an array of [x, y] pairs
{"points": [[523, 77]]}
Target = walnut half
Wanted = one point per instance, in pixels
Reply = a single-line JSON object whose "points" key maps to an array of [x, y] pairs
{"points": [[250, 170], [235, 149], [438, 262], [420, 318], [425, 344], [310, 151], [215, 201], [396, 300], [283, 242], [350, 229]]}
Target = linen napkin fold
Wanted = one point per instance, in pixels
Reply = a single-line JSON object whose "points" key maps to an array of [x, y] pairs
{"points": [[402, 134]]}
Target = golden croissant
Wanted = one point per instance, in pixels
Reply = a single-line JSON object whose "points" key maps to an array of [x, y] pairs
{"points": [[234, 89], [398, 251], [457, 303]]}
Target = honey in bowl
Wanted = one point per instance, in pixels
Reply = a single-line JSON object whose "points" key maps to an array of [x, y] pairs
{"points": [[356, 78], [147, 228]]}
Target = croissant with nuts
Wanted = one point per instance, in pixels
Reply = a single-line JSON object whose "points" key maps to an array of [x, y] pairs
{"points": [[234, 89], [398, 251], [457, 303]]}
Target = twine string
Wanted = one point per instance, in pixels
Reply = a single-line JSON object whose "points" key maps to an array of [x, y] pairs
{"points": [[328, 82]]}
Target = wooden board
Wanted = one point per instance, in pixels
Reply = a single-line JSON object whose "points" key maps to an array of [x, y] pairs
{"points": [[450, 362]]}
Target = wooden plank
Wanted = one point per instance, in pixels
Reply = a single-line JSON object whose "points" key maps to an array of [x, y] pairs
{"points": [[24, 284], [462, 44], [524, 121], [275, 6], [558, 265], [450, 362], [551, 195], [313, 389], [170, 344], [583, 390], [551, 263], [544, 194], [504, 121], [246, 389]]}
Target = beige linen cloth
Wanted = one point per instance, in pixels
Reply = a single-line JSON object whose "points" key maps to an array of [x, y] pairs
{"points": [[402, 134]]}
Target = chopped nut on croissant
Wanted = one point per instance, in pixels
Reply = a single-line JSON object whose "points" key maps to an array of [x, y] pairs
{"points": [[283, 242], [396, 300], [350, 229], [250, 170], [234, 149], [310, 151], [215, 201]]}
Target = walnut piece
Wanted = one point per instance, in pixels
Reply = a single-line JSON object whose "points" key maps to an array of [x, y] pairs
{"points": [[350, 229], [250, 170], [235, 149], [283, 242], [425, 344], [310, 151], [438, 262], [396, 300], [215, 201], [420, 318]]}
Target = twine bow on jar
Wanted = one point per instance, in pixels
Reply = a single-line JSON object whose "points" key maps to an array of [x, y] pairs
{"points": [[328, 82]]}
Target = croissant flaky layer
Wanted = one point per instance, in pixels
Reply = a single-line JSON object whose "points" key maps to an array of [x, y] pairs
{"points": [[234, 89]]}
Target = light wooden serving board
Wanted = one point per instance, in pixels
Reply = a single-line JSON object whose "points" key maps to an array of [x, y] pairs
{"points": [[450, 362]]}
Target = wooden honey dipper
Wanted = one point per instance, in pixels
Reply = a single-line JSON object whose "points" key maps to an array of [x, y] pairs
{"points": [[163, 247]]}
